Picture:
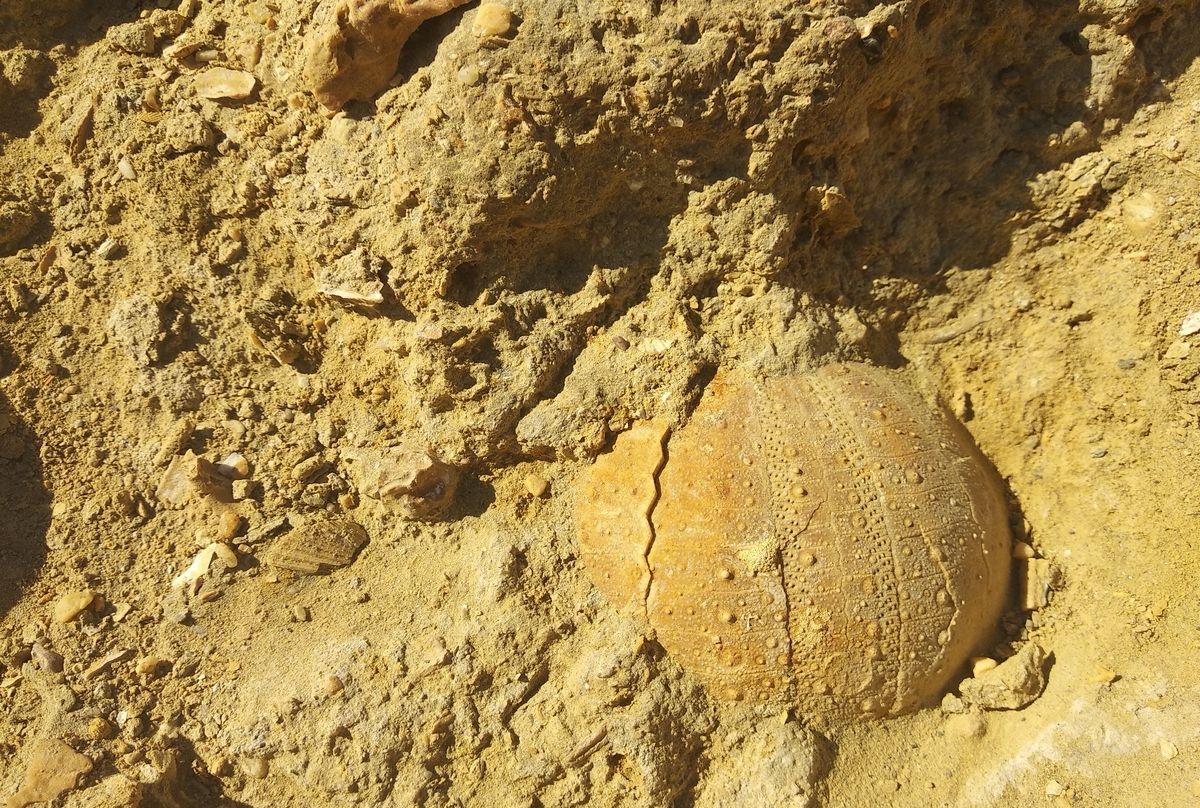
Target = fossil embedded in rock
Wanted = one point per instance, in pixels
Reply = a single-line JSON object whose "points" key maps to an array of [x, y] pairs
{"points": [[316, 547], [831, 539], [353, 53]]}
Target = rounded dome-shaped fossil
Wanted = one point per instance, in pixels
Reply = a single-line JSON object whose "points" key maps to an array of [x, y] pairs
{"points": [[831, 539]]}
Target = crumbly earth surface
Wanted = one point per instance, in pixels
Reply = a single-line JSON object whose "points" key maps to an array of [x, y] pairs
{"points": [[535, 238]]}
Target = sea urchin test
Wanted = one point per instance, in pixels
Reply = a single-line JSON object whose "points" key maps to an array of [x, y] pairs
{"points": [[830, 540]]}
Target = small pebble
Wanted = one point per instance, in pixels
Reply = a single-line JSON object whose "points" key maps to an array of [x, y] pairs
{"points": [[73, 604], [981, 665], [46, 658], [1099, 452], [300, 614], [469, 75], [1190, 325], [245, 489], [235, 467], [536, 485], [1167, 749], [1023, 551], [492, 20], [150, 665], [98, 729], [1054, 788], [309, 469], [255, 767]]}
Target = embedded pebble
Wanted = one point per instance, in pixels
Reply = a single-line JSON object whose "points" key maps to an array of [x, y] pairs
{"points": [[47, 659], [492, 20], [150, 665], [109, 249], [1023, 551], [219, 83], [353, 50], [536, 485], [255, 767], [73, 604], [981, 665], [189, 478], [1190, 325]]}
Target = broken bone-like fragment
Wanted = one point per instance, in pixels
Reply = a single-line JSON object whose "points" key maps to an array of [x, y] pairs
{"points": [[353, 53]]}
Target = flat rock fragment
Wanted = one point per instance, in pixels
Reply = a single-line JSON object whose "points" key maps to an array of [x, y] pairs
{"points": [[317, 547], [53, 769], [190, 478], [353, 52], [1012, 684], [410, 483]]}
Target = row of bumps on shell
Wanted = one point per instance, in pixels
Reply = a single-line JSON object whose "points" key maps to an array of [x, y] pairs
{"points": [[832, 540]]}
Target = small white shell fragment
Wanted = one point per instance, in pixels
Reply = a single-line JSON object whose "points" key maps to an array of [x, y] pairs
{"points": [[1190, 325], [108, 249], [197, 569], [222, 83], [126, 170], [353, 278], [492, 20]]}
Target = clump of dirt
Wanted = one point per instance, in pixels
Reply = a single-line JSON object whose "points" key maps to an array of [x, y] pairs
{"points": [[218, 297]]}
